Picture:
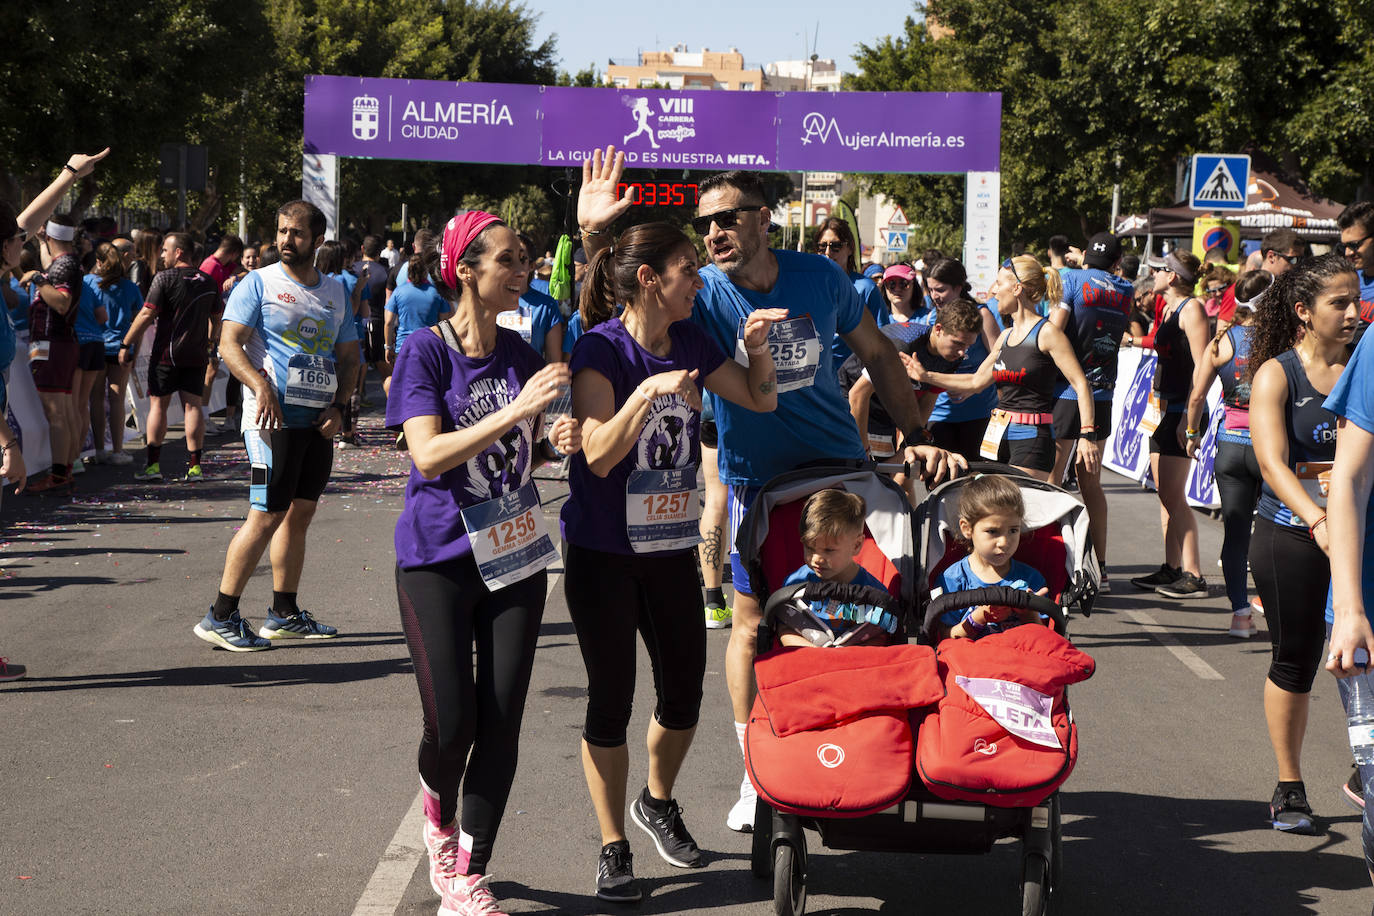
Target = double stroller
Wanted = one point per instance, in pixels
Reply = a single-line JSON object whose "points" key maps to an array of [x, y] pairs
{"points": [[917, 745]]}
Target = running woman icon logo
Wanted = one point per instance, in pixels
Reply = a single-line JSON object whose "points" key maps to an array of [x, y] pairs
{"points": [[639, 108], [817, 127], [367, 112], [830, 755]]}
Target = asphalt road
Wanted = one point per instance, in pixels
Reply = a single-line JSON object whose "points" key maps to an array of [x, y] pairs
{"points": [[143, 772]]}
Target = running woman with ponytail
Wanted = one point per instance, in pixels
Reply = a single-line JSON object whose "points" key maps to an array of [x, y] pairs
{"points": [[472, 546], [1180, 342], [630, 523], [1025, 362], [1235, 467], [1304, 326]]}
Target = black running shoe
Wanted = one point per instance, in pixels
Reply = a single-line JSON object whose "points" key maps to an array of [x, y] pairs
{"points": [[1290, 813], [1165, 575], [670, 835], [1353, 790], [1185, 586], [615, 877]]}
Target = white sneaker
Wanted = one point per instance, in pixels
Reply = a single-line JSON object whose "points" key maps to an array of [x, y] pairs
{"points": [[718, 618], [119, 458], [78, 466], [741, 816]]}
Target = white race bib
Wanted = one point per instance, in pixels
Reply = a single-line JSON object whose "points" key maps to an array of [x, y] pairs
{"points": [[310, 381], [796, 352], [515, 321], [509, 538], [882, 446], [1154, 415], [662, 509], [38, 350], [992, 436], [1316, 480]]}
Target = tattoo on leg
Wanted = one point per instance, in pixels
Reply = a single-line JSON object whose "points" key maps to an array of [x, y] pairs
{"points": [[710, 548]]}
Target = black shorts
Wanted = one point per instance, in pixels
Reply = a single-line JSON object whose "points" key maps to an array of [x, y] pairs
{"points": [[90, 356], [165, 381], [964, 437], [1036, 454], [1067, 422], [374, 342], [1165, 439], [52, 363], [287, 464]]}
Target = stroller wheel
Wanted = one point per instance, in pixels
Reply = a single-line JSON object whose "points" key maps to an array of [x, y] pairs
{"points": [[789, 881], [1035, 885], [761, 847]]}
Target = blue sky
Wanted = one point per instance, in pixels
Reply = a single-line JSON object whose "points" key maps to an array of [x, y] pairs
{"points": [[762, 32]]}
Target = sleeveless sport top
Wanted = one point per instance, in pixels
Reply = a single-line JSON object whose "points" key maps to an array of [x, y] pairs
{"points": [[1025, 377], [1235, 386], [1174, 371], [1311, 430]]}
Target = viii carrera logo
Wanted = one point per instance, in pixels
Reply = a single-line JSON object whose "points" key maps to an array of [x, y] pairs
{"points": [[367, 112]]}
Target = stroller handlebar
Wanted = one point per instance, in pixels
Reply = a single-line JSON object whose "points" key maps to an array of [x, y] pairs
{"points": [[1000, 595]]}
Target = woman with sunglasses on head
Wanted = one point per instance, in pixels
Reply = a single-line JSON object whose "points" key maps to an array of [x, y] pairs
{"points": [[836, 242], [1301, 344], [471, 546], [631, 570], [1235, 467], [1026, 362], [1180, 343]]}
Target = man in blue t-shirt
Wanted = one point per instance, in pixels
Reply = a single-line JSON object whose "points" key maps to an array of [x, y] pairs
{"points": [[288, 335], [1095, 314], [1356, 223]]}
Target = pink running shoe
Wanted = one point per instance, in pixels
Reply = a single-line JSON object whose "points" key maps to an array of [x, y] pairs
{"points": [[468, 895], [448, 861]]}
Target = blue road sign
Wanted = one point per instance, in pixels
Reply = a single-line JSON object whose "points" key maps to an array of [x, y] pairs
{"points": [[895, 240], [1219, 182]]}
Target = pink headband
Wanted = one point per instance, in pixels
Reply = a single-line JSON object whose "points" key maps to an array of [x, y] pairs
{"points": [[458, 234]]}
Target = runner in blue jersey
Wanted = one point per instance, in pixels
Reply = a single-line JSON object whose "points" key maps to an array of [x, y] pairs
{"points": [[812, 419], [538, 320], [1095, 314], [837, 243], [958, 425], [288, 336], [1356, 223]]}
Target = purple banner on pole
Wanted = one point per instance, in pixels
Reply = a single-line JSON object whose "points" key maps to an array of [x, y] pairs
{"points": [[890, 131], [422, 119], [661, 128]]}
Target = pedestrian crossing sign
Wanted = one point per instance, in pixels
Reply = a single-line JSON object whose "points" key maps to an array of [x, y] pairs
{"points": [[1219, 182], [895, 239]]}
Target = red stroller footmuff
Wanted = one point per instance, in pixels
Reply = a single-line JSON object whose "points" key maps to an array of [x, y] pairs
{"points": [[830, 731], [1003, 735]]}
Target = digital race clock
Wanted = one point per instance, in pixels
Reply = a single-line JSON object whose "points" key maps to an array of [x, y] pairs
{"points": [[661, 193]]}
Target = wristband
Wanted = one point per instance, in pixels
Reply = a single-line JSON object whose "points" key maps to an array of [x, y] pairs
{"points": [[1193, 434], [337, 406], [973, 625], [1087, 429], [757, 351], [551, 452], [1312, 528], [586, 231], [641, 393], [68, 167]]}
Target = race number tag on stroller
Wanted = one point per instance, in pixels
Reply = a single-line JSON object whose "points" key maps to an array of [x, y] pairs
{"points": [[310, 381], [880, 446], [992, 437], [38, 350], [1316, 480], [1154, 415], [796, 352], [509, 538], [662, 509], [523, 324], [1019, 709]]}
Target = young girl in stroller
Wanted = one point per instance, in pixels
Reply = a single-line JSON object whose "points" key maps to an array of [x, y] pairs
{"points": [[991, 515], [832, 536]]}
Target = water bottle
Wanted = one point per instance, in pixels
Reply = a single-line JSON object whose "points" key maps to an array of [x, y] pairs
{"points": [[1360, 719]]}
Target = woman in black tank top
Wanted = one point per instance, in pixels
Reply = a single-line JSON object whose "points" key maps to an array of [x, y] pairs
{"points": [[1180, 342], [1302, 338], [1025, 363]]}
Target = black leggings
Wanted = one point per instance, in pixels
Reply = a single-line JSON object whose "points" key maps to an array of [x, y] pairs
{"points": [[1291, 575], [964, 437], [612, 595], [1238, 483], [444, 609]]}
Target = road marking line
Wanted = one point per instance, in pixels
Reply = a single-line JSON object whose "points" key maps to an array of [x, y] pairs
{"points": [[392, 876], [1179, 651]]}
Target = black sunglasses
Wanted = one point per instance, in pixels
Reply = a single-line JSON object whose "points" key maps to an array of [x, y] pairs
{"points": [[823, 247], [1352, 246], [725, 219], [1215, 290]]}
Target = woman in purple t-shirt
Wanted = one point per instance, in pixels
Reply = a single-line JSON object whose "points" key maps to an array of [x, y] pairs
{"points": [[471, 544], [630, 523]]}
